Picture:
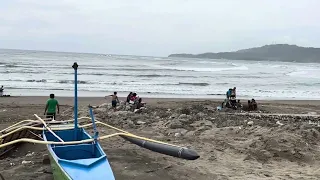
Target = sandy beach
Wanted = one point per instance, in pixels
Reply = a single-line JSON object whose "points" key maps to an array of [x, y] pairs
{"points": [[232, 144]]}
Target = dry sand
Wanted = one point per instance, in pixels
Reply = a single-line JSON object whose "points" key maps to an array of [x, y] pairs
{"points": [[243, 146]]}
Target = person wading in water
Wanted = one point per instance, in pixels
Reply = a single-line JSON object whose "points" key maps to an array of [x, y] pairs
{"points": [[51, 106]]}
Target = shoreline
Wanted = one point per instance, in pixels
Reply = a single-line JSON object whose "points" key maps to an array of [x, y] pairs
{"points": [[69, 100], [96, 94]]}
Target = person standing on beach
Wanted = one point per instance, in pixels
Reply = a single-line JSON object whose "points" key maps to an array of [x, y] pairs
{"points": [[1, 91], [114, 100], [51, 107], [233, 98], [228, 94]]}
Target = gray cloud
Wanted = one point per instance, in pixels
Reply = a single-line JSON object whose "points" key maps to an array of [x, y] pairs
{"points": [[157, 27]]}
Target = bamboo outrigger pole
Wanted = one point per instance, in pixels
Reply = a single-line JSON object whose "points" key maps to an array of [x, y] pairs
{"points": [[153, 145], [46, 126], [123, 133], [84, 141], [96, 133], [14, 126]]}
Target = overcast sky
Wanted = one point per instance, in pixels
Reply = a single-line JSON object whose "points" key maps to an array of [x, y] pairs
{"points": [[157, 27]]}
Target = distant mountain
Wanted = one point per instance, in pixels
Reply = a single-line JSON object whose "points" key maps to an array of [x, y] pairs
{"points": [[275, 52]]}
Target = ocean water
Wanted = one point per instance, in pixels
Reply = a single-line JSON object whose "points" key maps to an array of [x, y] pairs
{"points": [[41, 73]]}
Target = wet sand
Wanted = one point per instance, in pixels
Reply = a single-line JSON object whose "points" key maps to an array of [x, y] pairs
{"points": [[231, 146]]}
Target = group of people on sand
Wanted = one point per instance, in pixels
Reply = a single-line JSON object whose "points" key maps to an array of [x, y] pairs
{"points": [[52, 105], [232, 102], [231, 96], [252, 105], [132, 99]]}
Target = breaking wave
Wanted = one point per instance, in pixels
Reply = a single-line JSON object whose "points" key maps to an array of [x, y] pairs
{"points": [[110, 83], [52, 71], [194, 84]]}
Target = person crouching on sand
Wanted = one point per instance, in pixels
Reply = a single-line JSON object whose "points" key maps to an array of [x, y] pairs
{"points": [[133, 98], [140, 104], [128, 98], [50, 110], [254, 104], [239, 105]]}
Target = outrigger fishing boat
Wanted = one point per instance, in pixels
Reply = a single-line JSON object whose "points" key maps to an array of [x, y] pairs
{"points": [[76, 155]]}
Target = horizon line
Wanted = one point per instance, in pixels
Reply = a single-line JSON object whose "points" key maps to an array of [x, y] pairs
{"points": [[96, 53], [74, 52]]}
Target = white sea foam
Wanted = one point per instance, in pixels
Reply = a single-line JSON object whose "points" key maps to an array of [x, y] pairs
{"points": [[35, 71]]}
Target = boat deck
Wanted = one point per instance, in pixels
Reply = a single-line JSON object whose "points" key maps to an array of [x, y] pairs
{"points": [[79, 161]]}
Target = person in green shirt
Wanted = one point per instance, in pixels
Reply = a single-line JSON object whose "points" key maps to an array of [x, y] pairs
{"points": [[52, 105]]}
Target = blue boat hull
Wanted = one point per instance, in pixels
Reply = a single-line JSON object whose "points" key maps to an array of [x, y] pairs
{"points": [[77, 162]]}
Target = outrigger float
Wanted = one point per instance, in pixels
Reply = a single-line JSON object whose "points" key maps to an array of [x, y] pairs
{"points": [[74, 154]]}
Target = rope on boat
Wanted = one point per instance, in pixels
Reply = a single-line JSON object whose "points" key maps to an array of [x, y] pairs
{"points": [[112, 127], [48, 128]]}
